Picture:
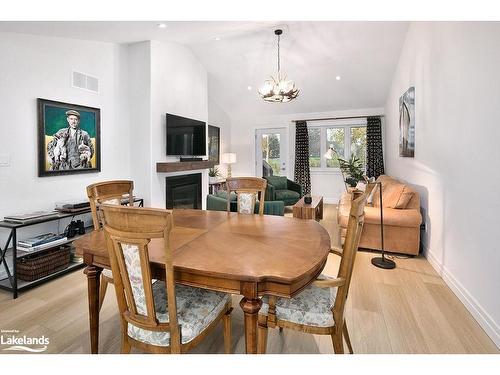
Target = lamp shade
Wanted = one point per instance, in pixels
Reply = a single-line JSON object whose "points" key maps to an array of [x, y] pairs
{"points": [[228, 158], [330, 153]]}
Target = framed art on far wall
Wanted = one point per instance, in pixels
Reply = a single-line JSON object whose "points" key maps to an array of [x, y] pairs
{"points": [[407, 123], [68, 138], [213, 143]]}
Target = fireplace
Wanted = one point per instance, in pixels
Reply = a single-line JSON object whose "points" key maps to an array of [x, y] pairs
{"points": [[183, 191]]}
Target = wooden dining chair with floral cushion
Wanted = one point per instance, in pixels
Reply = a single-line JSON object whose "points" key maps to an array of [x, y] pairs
{"points": [[108, 192], [318, 309], [248, 190], [159, 317]]}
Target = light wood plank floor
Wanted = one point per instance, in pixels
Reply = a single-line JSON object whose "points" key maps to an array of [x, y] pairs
{"points": [[405, 310]]}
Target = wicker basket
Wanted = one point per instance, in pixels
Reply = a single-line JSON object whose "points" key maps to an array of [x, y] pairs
{"points": [[36, 266]]}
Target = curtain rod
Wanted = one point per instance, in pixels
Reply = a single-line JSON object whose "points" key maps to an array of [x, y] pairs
{"points": [[337, 118]]}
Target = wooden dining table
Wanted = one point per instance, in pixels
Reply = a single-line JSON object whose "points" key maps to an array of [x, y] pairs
{"points": [[249, 255]]}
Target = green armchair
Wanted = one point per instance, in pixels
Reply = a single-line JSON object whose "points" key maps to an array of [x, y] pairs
{"points": [[218, 202], [279, 188]]}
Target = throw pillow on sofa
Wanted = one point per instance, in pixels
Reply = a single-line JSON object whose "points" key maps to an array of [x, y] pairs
{"points": [[223, 194], [396, 196]]}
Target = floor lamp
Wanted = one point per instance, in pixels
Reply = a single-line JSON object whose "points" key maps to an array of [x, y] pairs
{"points": [[382, 262]]}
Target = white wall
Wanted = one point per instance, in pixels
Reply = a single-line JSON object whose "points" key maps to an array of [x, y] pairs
{"points": [[328, 184], [139, 97], [34, 67], [178, 86], [455, 70], [218, 117]]}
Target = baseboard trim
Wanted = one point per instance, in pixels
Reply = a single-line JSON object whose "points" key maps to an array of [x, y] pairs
{"points": [[480, 315]]}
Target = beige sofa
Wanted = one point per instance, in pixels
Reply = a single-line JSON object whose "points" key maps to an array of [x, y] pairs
{"points": [[402, 218]]}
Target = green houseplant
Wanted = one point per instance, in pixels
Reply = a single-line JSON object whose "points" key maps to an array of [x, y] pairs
{"points": [[352, 169], [213, 173]]}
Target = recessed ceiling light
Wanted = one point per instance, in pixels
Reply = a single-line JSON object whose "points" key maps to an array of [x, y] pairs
{"points": [[162, 25], [217, 38], [337, 78], [249, 88]]}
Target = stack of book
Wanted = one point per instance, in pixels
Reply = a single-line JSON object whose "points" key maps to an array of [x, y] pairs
{"points": [[43, 241]]}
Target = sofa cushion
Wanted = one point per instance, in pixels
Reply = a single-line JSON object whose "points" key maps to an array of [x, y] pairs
{"points": [[279, 182], [223, 194], [284, 195], [396, 196]]}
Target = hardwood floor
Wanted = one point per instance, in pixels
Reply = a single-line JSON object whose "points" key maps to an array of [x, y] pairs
{"points": [[406, 310]]}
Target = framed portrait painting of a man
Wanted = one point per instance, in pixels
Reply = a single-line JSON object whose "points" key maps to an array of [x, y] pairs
{"points": [[68, 138]]}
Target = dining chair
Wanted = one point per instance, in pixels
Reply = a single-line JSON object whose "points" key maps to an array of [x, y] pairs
{"points": [[248, 190], [108, 192], [159, 317], [318, 309]]}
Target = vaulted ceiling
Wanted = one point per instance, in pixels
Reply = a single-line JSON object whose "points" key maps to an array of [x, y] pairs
{"points": [[242, 54]]}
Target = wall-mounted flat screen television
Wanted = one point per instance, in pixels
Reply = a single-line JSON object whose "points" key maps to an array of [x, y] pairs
{"points": [[185, 136]]}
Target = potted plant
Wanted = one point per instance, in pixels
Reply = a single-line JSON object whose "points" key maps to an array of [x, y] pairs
{"points": [[352, 169], [213, 173]]}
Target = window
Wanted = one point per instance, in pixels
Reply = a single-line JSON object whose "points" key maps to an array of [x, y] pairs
{"points": [[271, 151], [358, 143], [335, 137], [347, 138], [314, 147]]}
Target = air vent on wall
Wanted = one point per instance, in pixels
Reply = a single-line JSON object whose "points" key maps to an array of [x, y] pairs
{"points": [[84, 81]]}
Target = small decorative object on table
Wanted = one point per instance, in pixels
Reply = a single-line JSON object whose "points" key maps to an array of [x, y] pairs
{"points": [[307, 199]]}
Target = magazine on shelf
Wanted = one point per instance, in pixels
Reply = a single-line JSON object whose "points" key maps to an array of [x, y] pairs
{"points": [[40, 240], [30, 218], [47, 245]]}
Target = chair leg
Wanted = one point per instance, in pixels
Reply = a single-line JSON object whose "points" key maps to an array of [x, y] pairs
{"points": [[227, 331], [281, 329], [338, 344], [262, 337], [102, 290], [125, 349], [347, 338]]}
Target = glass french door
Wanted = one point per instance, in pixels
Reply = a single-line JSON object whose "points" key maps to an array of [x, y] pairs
{"points": [[271, 152]]}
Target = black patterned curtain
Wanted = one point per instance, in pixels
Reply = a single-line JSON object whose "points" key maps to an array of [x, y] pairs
{"points": [[301, 174], [374, 153]]}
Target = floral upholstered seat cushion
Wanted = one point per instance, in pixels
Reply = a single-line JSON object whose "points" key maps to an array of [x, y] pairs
{"points": [[196, 310], [246, 203], [312, 307]]}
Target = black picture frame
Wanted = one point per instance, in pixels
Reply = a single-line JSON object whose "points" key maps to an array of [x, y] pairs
{"points": [[61, 150], [214, 144]]}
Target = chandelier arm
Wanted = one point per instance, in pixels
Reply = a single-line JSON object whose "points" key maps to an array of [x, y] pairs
{"points": [[278, 57]]}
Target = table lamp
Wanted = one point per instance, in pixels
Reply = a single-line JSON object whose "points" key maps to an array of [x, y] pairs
{"points": [[228, 158], [329, 155]]}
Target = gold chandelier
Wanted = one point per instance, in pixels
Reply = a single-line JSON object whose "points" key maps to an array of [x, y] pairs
{"points": [[278, 89]]}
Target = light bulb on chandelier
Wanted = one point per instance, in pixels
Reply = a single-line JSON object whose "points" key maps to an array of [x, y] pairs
{"points": [[278, 89]]}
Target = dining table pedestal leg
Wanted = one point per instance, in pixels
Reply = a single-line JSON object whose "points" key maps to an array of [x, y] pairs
{"points": [[251, 309], [93, 279]]}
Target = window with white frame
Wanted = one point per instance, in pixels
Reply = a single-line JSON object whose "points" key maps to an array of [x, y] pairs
{"points": [[346, 137]]}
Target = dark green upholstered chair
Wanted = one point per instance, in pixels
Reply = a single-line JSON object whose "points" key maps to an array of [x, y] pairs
{"points": [[279, 188], [218, 202]]}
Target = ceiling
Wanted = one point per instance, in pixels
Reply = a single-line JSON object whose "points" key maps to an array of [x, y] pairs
{"points": [[313, 53]]}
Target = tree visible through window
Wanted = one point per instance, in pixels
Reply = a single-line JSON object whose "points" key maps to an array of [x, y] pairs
{"points": [[346, 140], [335, 138], [314, 147], [271, 151], [358, 143]]}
